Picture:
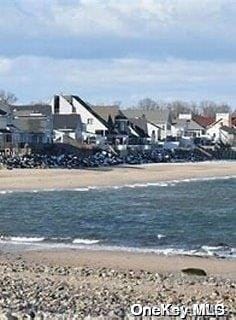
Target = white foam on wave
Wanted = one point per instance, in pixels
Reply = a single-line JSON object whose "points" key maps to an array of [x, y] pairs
{"points": [[22, 239], [84, 241], [5, 191], [160, 236], [40, 243]]}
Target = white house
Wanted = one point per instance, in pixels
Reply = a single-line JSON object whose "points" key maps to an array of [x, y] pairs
{"points": [[93, 124], [228, 136], [186, 126], [213, 130]]}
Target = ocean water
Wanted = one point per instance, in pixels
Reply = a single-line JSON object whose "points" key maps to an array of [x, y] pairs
{"points": [[192, 217]]}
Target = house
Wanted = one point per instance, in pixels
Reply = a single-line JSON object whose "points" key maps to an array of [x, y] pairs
{"points": [[67, 125], [186, 126], [228, 136], [101, 124], [117, 123], [213, 130], [145, 130], [93, 124], [158, 122], [32, 124]]}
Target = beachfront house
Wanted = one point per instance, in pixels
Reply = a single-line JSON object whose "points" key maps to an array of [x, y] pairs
{"points": [[32, 124], [101, 124], [95, 128], [187, 126], [213, 130], [158, 122], [67, 127], [227, 136]]}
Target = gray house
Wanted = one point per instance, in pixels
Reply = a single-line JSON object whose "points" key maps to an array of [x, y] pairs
{"points": [[32, 123], [67, 125], [158, 119]]}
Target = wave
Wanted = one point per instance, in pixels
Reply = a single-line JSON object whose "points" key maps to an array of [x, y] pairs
{"points": [[21, 239], [36, 243], [85, 241]]}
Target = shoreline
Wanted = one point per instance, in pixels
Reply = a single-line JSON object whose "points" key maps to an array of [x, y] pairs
{"points": [[123, 260], [51, 179]]}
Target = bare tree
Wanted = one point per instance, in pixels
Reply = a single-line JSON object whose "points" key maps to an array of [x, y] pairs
{"points": [[147, 104], [7, 97], [210, 108]]}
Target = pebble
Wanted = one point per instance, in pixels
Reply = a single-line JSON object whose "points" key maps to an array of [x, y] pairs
{"points": [[82, 293]]}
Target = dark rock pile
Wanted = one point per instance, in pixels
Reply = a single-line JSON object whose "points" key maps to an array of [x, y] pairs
{"points": [[99, 159]]}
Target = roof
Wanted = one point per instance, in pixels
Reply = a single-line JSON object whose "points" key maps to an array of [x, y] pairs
{"points": [[155, 116], [88, 107], [140, 126], [106, 112], [187, 124], [66, 121], [229, 130], [4, 108], [202, 120], [26, 110], [31, 124], [2, 112]]}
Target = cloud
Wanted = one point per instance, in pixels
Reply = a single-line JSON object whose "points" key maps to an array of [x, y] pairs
{"points": [[124, 18], [119, 79], [181, 28]]}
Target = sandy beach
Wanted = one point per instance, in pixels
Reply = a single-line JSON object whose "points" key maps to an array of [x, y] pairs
{"points": [[28, 179]]}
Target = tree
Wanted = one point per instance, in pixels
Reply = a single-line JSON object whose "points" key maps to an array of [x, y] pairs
{"points": [[147, 104], [7, 97], [210, 108]]}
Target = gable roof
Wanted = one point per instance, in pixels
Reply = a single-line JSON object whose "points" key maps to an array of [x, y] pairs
{"points": [[202, 120], [187, 124], [88, 107], [153, 116], [140, 126], [106, 112], [66, 121]]}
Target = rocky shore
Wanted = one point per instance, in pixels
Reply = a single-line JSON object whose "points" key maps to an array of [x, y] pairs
{"points": [[44, 291]]}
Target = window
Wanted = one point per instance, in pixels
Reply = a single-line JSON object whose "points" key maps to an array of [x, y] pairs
{"points": [[90, 121]]}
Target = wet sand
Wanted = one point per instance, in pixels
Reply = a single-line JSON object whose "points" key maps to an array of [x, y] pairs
{"points": [[122, 260]]}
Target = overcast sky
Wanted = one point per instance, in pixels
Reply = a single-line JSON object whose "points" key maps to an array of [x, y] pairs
{"points": [[119, 50]]}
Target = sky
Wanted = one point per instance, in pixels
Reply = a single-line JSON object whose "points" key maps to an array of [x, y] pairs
{"points": [[109, 51]]}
